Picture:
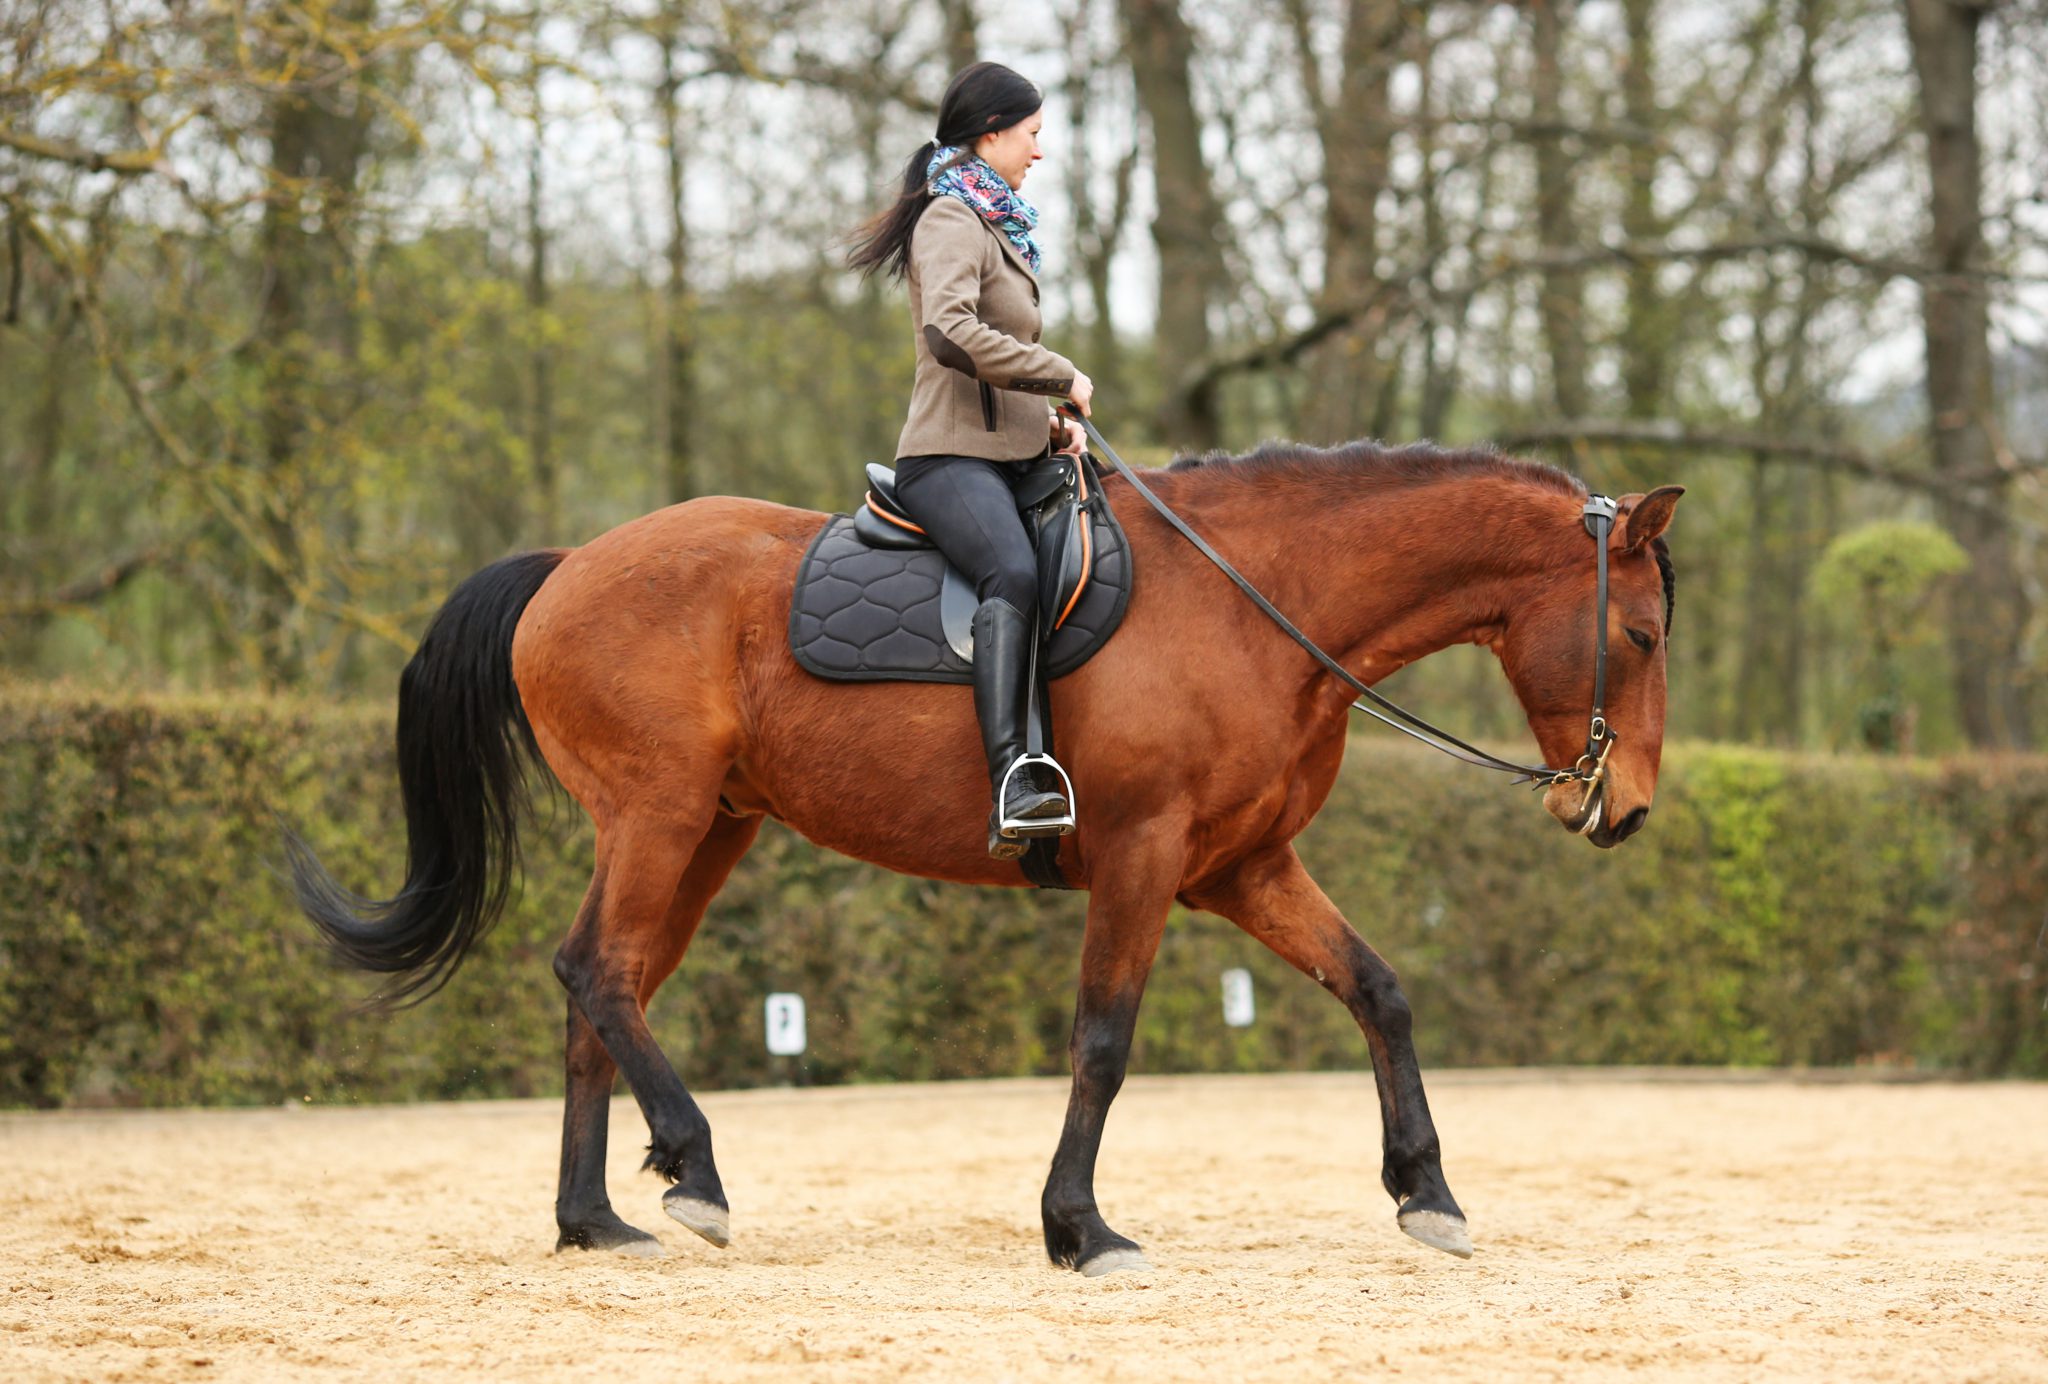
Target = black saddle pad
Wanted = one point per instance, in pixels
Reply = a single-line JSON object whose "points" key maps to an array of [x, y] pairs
{"points": [[864, 614]]}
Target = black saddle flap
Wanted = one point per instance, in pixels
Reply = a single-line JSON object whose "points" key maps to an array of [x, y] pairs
{"points": [[868, 605]]}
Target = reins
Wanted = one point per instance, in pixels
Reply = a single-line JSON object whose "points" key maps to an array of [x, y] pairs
{"points": [[1599, 516]]}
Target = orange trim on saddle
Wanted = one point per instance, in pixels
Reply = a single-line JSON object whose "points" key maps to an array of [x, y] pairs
{"points": [[1087, 564], [885, 514]]}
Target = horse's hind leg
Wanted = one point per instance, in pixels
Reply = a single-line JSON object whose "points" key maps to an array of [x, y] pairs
{"points": [[612, 963], [1272, 897], [583, 1209]]}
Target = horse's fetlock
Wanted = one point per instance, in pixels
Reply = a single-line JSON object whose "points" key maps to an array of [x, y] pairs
{"points": [[673, 1155], [670, 1164], [1420, 1155], [573, 1220], [1067, 1212]]}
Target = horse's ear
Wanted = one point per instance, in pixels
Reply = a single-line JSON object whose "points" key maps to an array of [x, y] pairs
{"points": [[1651, 515]]}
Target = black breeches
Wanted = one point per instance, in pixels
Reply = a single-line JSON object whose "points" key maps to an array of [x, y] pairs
{"points": [[968, 508]]}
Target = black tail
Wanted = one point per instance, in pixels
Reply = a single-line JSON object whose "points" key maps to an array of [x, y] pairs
{"points": [[464, 754]]}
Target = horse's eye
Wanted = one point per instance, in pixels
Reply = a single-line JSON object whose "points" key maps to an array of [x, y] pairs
{"points": [[1641, 641]]}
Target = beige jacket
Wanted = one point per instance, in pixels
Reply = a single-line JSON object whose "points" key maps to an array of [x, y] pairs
{"points": [[974, 303]]}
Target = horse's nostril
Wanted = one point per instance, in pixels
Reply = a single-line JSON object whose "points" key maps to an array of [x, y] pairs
{"points": [[1632, 823]]}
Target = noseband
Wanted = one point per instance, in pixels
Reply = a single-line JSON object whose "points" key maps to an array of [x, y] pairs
{"points": [[1591, 769]]}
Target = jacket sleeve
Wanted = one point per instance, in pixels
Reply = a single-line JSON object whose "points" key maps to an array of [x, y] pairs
{"points": [[947, 251]]}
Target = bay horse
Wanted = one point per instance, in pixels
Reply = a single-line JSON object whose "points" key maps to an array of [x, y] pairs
{"points": [[651, 671]]}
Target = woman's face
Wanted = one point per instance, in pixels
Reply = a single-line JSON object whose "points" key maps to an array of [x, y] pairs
{"points": [[1011, 152]]}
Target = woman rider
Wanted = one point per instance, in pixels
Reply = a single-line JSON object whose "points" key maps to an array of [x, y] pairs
{"points": [[960, 231]]}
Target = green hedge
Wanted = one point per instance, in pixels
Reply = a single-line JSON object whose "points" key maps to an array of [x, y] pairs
{"points": [[1778, 910]]}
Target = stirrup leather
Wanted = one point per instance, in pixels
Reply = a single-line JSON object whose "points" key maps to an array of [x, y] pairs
{"points": [[1025, 827]]}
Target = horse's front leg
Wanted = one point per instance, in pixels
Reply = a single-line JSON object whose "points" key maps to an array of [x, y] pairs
{"points": [[1272, 897], [1127, 907]]}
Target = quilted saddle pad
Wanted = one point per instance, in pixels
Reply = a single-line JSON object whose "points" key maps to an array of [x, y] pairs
{"points": [[868, 614]]}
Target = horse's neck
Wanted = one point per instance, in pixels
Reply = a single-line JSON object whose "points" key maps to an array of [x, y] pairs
{"points": [[1380, 575]]}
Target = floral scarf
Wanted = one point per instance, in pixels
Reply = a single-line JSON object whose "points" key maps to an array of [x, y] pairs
{"points": [[983, 189]]}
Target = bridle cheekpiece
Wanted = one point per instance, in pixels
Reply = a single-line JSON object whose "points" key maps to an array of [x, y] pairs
{"points": [[1599, 516]]}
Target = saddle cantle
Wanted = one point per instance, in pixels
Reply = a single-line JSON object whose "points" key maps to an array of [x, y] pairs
{"points": [[876, 602]]}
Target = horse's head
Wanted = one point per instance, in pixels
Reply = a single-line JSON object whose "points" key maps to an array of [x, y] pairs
{"points": [[1547, 648]]}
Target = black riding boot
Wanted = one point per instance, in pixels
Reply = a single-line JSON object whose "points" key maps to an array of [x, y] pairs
{"points": [[1002, 662]]}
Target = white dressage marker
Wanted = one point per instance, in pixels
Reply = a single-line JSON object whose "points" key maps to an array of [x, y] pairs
{"points": [[1237, 997], [785, 1024]]}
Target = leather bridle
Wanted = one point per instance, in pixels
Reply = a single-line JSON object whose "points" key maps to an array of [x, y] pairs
{"points": [[1599, 517]]}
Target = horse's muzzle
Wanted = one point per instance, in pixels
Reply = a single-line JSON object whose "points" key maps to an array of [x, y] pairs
{"points": [[1590, 817], [1607, 834]]}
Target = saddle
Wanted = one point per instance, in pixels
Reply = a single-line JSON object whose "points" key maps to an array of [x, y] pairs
{"points": [[876, 602]]}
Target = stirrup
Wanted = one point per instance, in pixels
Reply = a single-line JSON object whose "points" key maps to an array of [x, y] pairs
{"points": [[1035, 826]]}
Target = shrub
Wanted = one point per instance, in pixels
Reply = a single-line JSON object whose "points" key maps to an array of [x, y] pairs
{"points": [[1778, 909]]}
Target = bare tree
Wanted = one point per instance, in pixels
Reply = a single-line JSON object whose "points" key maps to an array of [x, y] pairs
{"points": [[540, 406], [1991, 681], [1184, 228], [963, 38], [1097, 230], [1647, 338], [678, 342], [1352, 376], [318, 128], [1563, 294]]}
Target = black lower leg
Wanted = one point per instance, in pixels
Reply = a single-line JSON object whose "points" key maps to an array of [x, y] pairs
{"points": [[1075, 1232], [1412, 1167], [583, 1209], [679, 1147]]}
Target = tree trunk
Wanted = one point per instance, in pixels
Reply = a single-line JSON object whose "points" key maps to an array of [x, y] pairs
{"points": [[1563, 296], [1184, 228], [1985, 637], [963, 46], [317, 137], [1443, 334], [35, 565], [678, 344], [1799, 549], [1349, 382], [1646, 346], [540, 405], [1096, 232]]}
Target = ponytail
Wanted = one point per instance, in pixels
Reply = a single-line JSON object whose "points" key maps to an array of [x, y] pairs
{"points": [[883, 241], [983, 98]]}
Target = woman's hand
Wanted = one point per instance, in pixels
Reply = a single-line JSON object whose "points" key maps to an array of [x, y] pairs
{"points": [[1082, 392], [1068, 438]]}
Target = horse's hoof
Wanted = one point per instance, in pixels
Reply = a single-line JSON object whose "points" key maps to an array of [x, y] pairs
{"points": [[617, 1238], [1438, 1230], [1116, 1261], [711, 1221]]}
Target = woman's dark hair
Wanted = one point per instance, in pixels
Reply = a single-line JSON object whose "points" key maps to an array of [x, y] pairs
{"points": [[980, 100]]}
